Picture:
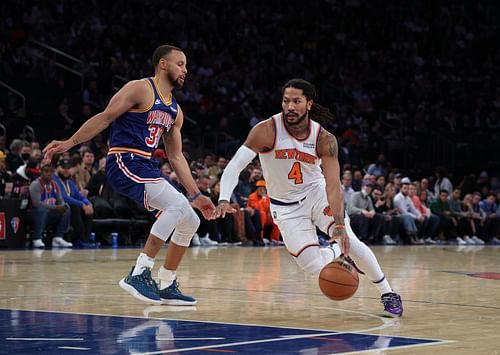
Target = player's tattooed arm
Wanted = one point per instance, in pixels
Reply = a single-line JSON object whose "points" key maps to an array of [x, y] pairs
{"points": [[333, 147]]}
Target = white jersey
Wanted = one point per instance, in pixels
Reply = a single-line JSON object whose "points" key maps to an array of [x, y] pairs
{"points": [[292, 167]]}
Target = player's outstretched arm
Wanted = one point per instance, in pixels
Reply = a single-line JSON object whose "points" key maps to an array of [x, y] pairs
{"points": [[132, 94], [260, 139], [173, 147], [328, 152]]}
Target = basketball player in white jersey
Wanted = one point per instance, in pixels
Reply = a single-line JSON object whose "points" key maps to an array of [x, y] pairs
{"points": [[299, 161]]}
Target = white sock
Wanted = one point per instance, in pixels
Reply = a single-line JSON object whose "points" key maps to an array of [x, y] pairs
{"points": [[166, 277], [383, 286], [143, 262]]}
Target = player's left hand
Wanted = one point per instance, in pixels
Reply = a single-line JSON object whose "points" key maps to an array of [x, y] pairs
{"points": [[341, 237], [206, 207]]}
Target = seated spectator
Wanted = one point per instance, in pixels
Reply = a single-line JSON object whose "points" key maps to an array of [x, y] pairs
{"points": [[379, 168], [364, 219], [4, 175], [396, 181], [357, 180], [261, 202], [48, 208], [430, 225], [447, 224], [380, 182], [217, 169], [19, 154], [478, 215], [85, 170], [409, 214], [81, 208], [21, 181], [384, 206], [424, 186], [458, 212], [207, 230], [225, 225], [346, 187], [490, 208], [442, 182], [469, 217]]}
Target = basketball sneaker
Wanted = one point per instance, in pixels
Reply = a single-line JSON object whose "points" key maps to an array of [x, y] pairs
{"points": [[141, 286], [393, 306], [172, 296]]}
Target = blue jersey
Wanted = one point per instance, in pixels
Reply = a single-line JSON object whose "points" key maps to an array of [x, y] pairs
{"points": [[141, 128], [133, 137]]}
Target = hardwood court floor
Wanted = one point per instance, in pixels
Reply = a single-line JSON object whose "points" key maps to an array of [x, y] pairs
{"points": [[450, 293]]}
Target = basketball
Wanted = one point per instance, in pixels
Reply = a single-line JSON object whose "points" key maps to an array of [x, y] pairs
{"points": [[338, 280]]}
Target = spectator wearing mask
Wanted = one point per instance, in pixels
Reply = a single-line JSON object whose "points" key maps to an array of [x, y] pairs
{"points": [[81, 208], [48, 208]]}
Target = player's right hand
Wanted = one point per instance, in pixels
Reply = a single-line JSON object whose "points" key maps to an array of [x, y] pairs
{"points": [[341, 237], [55, 147], [224, 207]]}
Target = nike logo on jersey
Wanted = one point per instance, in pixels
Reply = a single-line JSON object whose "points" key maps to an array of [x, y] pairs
{"points": [[294, 154]]}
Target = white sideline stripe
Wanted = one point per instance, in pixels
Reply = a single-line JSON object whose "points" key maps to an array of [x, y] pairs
{"points": [[52, 339], [174, 338], [72, 348]]}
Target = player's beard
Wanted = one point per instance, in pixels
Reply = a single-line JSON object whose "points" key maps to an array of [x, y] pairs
{"points": [[299, 121], [176, 83]]}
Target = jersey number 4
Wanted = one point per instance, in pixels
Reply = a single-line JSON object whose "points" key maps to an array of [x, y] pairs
{"points": [[154, 136], [296, 173]]}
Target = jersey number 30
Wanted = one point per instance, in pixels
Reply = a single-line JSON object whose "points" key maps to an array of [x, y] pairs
{"points": [[154, 136], [296, 173]]}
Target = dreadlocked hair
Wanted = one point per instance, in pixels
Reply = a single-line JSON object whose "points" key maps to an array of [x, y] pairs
{"points": [[318, 112]]}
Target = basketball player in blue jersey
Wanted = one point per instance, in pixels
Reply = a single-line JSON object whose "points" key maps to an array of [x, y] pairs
{"points": [[299, 161], [141, 113]]}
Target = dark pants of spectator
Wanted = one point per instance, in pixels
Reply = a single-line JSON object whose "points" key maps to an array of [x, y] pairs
{"points": [[464, 227], [368, 229], [42, 217], [225, 228], [490, 229], [447, 226], [429, 227], [390, 226], [253, 226], [82, 224]]}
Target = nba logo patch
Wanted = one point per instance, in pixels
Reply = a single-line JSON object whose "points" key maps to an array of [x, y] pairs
{"points": [[14, 223]]}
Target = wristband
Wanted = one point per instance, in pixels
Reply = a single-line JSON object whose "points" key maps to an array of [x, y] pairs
{"points": [[338, 226], [194, 197]]}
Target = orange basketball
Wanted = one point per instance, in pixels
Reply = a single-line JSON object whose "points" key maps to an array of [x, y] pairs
{"points": [[338, 280]]}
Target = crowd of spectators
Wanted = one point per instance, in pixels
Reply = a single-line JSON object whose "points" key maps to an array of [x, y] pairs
{"points": [[396, 76]]}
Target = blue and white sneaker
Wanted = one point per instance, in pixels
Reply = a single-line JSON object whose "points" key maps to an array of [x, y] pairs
{"points": [[142, 287], [172, 296]]}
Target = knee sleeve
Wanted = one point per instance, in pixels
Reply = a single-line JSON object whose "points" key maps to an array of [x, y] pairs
{"points": [[314, 258], [185, 230], [176, 212]]}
